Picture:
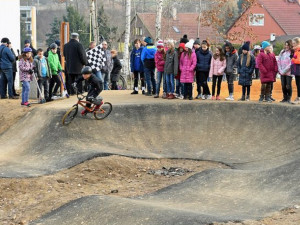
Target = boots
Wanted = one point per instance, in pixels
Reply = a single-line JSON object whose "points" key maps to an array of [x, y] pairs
{"points": [[261, 98], [288, 99], [268, 99], [284, 98], [242, 98], [248, 98]]}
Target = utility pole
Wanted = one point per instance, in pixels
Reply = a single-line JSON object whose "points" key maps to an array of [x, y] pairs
{"points": [[199, 18], [93, 16], [159, 4], [127, 37]]}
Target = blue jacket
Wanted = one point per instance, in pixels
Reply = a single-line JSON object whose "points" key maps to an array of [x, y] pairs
{"points": [[136, 63], [203, 60], [245, 71], [148, 55], [6, 58]]}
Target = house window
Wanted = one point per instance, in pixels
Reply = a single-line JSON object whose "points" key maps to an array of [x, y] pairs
{"points": [[139, 31], [257, 20], [176, 29]]}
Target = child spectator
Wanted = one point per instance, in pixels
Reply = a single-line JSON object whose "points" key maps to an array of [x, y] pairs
{"points": [[204, 56], [231, 64], [179, 85], [43, 72], [188, 62], [217, 68], [137, 67], [296, 67], [171, 68], [115, 73], [160, 59], [246, 65], [197, 45], [26, 71], [256, 52], [267, 65], [55, 70], [284, 69]]}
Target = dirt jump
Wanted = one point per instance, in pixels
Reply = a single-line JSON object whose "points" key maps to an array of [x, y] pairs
{"points": [[257, 144]]}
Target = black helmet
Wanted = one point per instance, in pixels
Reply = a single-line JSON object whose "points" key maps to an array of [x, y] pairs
{"points": [[53, 46], [86, 70]]}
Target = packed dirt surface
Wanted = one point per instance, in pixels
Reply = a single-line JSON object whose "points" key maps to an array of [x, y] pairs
{"points": [[22, 200]]}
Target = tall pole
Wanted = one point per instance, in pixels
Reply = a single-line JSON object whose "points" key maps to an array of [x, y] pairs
{"points": [[158, 19], [94, 20], [199, 18], [127, 37]]}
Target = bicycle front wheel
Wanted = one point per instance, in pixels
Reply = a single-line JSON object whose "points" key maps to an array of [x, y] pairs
{"points": [[70, 115], [104, 111]]}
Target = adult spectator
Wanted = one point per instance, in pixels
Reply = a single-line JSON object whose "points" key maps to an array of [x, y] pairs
{"points": [[6, 71], [106, 69], [75, 57], [27, 44], [14, 67], [98, 74]]}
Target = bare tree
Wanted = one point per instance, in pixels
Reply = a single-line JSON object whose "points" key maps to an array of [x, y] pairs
{"points": [[158, 19], [93, 16], [127, 36]]}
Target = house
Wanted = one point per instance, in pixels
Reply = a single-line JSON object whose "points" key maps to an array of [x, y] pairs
{"points": [[172, 27], [266, 20]]}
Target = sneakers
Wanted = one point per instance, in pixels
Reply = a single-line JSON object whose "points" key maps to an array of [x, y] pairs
{"points": [[218, 97], [242, 98], [156, 96], [134, 92], [180, 97], [261, 98], [297, 101], [213, 98], [164, 96], [13, 97], [268, 99], [230, 98], [148, 94], [272, 99], [248, 98], [26, 104], [191, 98], [208, 97], [204, 97], [143, 92], [199, 96], [171, 96]]}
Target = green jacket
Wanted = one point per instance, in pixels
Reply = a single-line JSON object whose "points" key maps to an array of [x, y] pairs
{"points": [[54, 63]]}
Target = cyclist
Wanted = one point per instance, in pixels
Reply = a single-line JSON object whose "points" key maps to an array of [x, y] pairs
{"points": [[95, 88]]}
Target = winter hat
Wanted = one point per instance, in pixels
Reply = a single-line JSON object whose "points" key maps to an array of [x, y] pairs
{"points": [[160, 44], [53, 46], [197, 42], [5, 40], [148, 40], [257, 47], [74, 35], [265, 44], [184, 39], [25, 50], [190, 44], [57, 42], [26, 41], [181, 45], [246, 46]]}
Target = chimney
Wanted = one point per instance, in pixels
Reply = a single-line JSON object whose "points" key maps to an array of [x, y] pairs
{"points": [[174, 13]]}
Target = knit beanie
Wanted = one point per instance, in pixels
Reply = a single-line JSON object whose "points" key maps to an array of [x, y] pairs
{"points": [[265, 44], [190, 44], [246, 46], [184, 39], [148, 40], [181, 45], [26, 41], [160, 44], [197, 42]]}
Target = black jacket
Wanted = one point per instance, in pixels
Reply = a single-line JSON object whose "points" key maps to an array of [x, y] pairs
{"points": [[117, 66], [95, 85], [203, 60], [75, 57]]}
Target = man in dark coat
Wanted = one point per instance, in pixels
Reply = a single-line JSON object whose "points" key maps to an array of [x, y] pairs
{"points": [[75, 57], [27, 44]]}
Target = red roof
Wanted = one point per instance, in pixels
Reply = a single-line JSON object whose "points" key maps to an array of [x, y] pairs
{"points": [[186, 23], [286, 14]]}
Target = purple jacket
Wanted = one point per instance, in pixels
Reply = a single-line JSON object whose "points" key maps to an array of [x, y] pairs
{"points": [[187, 67], [284, 63], [267, 65], [160, 61], [24, 67]]}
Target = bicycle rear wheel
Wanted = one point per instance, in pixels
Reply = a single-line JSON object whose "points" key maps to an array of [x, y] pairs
{"points": [[70, 115], [104, 111]]}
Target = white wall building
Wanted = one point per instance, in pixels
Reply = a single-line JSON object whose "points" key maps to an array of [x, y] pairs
{"points": [[28, 16], [10, 24]]}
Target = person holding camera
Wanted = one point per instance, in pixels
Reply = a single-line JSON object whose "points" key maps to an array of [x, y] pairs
{"points": [[26, 73]]}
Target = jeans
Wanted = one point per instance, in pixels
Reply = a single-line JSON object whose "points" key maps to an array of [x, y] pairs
{"points": [[179, 87], [99, 76], [150, 80], [159, 76], [215, 79], [106, 78], [6, 79], [230, 79], [286, 84], [25, 91], [170, 83], [43, 83]]}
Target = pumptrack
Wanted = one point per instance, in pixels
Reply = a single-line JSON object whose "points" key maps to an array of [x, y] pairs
{"points": [[260, 143]]}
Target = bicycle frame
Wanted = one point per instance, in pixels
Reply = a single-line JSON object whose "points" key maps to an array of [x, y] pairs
{"points": [[83, 104]]}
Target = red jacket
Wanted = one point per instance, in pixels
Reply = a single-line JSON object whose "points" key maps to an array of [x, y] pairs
{"points": [[267, 65], [160, 61]]}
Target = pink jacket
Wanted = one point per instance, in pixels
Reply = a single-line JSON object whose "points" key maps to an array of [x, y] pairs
{"points": [[24, 67], [159, 61], [217, 67], [187, 67], [267, 65], [284, 63]]}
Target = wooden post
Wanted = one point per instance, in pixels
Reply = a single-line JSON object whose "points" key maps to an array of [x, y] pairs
{"points": [[64, 38]]}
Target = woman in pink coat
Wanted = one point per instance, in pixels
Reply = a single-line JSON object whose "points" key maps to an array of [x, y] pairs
{"points": [[217, 68], [188, 62]]}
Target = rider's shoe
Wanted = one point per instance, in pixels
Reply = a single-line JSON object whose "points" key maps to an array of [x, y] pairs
{"points": [[84, 112]]}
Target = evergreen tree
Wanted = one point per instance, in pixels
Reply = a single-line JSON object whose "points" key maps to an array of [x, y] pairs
{"points": [[106, 32], [77, 25], [55, 31]]}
